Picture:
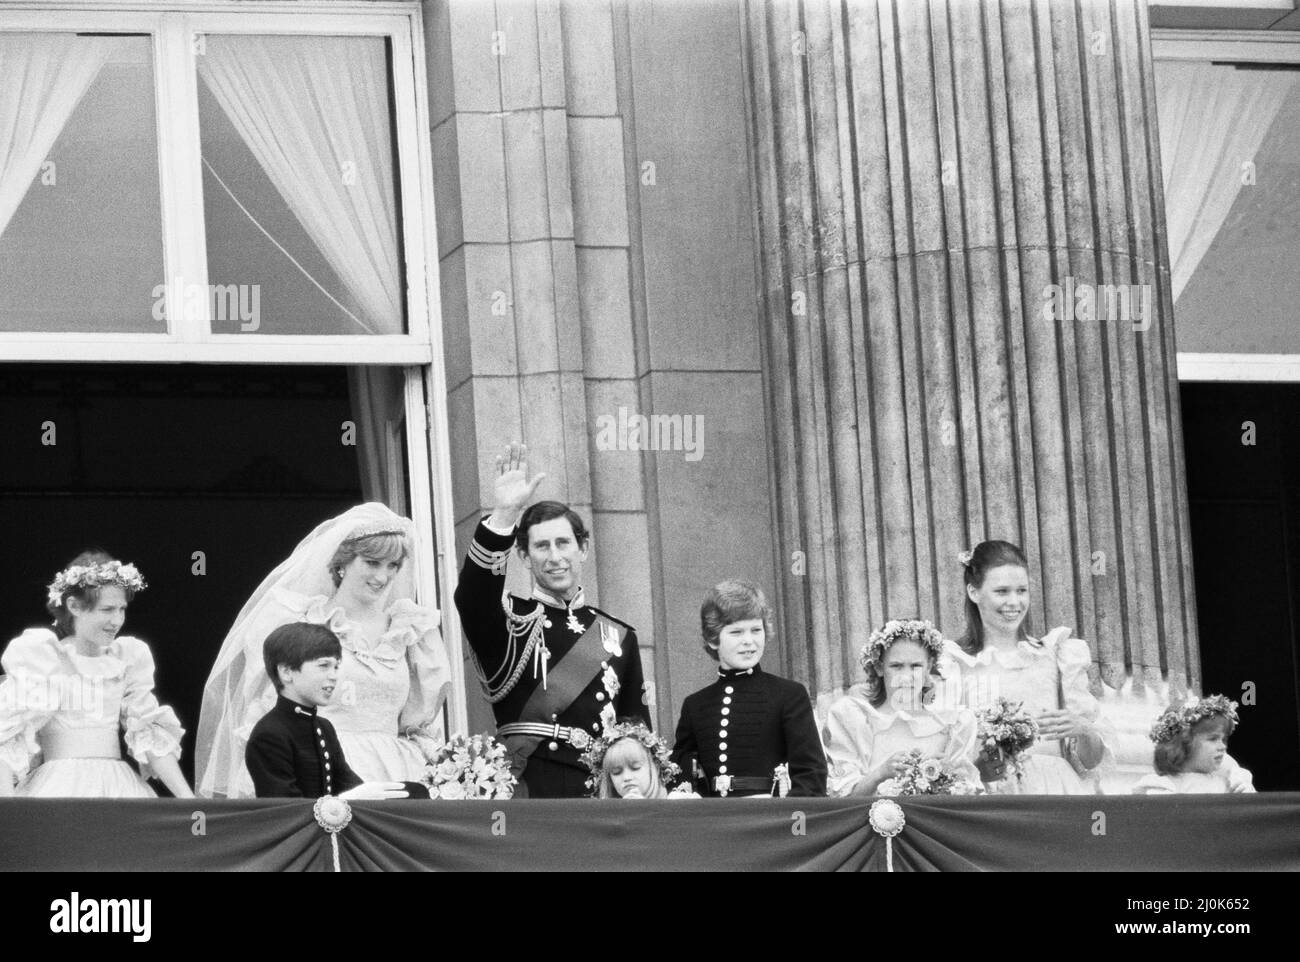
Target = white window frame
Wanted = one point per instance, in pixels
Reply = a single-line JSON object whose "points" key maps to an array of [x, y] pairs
{"points": [[173, 24], [1260, 46], [173, 27]]}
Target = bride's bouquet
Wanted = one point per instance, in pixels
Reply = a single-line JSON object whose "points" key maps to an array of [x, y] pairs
{"points": [[474, 767], [1005, 728], [926, 776]]}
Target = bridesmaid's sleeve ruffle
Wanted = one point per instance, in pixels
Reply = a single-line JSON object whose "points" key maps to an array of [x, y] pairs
{"points": [[960, 752], [1073, 656], [1240, 781], [28, 662], [151, 730], [948, 679], [426, 656], [848, 738]]}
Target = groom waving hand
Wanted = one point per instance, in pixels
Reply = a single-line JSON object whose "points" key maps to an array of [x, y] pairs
{"points": [[555, 669]]}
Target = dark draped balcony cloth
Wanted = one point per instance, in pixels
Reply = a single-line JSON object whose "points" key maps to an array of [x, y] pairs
{"points": [[1189, 832]]}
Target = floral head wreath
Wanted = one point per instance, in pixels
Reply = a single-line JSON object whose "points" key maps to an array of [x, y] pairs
{"points": [[916, 629], [594, 756], [95, 576], [1178, 720], [964, 557]]}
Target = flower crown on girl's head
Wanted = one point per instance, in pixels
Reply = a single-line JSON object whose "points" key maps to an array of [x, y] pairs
{"points": [[916, 629], [1178, 720], [594, 756], [96, 576]]}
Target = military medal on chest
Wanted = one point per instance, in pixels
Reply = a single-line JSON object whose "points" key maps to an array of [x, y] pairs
{"points": [[575, 625]]}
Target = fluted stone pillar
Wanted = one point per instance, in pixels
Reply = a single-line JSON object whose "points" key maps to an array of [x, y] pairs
{"points": [[924, 173]]}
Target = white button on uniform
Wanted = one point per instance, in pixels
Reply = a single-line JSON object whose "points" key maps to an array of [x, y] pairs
{"points": [[729, 690], [600, 696], [554, 746], [727, 700], [722, 746], [722, 757], [722, 769], [726, 711]]}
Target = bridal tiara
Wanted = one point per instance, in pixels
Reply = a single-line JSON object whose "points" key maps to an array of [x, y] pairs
{"points": [[375, 529]]}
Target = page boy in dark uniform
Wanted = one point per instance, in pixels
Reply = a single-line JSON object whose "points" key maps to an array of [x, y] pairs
{"points": [[555, 669], [293, 752], [737, 731]]}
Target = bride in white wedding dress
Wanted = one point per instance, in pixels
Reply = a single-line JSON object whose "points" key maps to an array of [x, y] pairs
{"points": [[353, 574]]}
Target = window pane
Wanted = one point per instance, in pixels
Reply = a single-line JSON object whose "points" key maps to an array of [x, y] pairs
{"points": [[80, 215], [1230, 147], [299, 185]]}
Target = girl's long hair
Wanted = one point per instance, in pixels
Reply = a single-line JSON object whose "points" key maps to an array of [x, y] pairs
{"points": [[605, 789], [986, 556]]}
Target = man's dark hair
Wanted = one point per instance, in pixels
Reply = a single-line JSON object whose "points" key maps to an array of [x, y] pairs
{"points": [[544, 511], [295, 644]]}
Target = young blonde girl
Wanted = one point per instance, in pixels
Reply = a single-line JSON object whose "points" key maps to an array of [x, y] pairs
{"points": [[1191, 753], [871, 731], [630, 761]]}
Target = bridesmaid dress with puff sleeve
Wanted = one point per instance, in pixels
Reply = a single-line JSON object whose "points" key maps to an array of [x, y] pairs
{"points": [[61, 714], [858, 737], [1046, 675]]}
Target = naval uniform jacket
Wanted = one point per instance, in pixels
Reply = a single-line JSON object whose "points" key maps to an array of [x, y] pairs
{"points": [[294, 752], [554, 768], [744, 725]]}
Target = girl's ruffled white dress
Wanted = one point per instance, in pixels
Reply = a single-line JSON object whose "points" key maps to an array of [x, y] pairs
{"points": [[387, 705], [61, 713], [1228, 778], [1047, 675], [858, 737]]}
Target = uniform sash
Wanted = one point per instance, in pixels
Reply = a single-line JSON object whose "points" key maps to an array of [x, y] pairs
{"points": [[566, 680]]}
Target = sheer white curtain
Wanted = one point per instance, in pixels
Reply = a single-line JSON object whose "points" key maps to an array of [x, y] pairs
{"points": [[1212, 121], [314, 113], [379, 410], [42, 79]]}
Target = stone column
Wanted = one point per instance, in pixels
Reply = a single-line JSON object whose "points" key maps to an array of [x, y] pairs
{"points": [[531, 191], [925, 173]]}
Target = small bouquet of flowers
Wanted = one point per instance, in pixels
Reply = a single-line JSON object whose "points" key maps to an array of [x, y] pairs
{"points": [[474, 767], [1006, 729], [926, 776]]}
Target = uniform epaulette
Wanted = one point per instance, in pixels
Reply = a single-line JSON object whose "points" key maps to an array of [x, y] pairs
{"points": [[606, 614]]}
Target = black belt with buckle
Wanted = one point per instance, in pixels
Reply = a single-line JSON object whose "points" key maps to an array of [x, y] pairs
{"points": [[576, 737], [725, 784]]}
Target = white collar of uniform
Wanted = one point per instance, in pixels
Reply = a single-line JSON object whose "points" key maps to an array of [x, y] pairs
{"points": [[546, 598], [732, 673]]}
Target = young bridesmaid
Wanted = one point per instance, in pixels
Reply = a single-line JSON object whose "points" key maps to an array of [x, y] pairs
{"points": [[1191, 754], [68, 694], [871, 730], [630, 761], [996, 656]]}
